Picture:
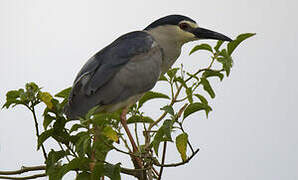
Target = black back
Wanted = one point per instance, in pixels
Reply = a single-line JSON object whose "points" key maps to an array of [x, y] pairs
{"points": [[168, 20]]}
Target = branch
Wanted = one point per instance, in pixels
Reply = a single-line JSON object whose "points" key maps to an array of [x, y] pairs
{"points": [[133, 172], [63, 150], [201, 70], [128, 171], [26, 177], [165, 113], [163, 159], [37, 131], [178, 164], [23, 170]]}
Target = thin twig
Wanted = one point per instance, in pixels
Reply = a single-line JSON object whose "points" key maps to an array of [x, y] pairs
{"points": [[23, 170], [196, 73], [134, 172], [26, 177], [125, 143], [60, 145], [163, 159], [165, 113], [181, 127], [95, 136], [37, 131], [136, 134], [121, 151], [155, 172], [178, 164], [212, 61], [71, 150]]}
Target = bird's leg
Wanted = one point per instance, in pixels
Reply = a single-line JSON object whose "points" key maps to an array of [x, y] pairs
{"points": [[123, 122], [136, 160]]}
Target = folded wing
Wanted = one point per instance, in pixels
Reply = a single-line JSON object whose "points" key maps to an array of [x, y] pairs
{"points": [[129, 66]]}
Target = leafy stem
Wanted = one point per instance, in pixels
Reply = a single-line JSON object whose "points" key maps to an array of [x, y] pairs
{"points": [[32, 109]]}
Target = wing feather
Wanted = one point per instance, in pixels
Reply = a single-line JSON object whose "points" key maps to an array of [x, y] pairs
{"points": [[127, 67]]}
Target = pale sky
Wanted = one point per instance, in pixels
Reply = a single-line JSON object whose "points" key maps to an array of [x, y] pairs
{"points": [[251, 132]]}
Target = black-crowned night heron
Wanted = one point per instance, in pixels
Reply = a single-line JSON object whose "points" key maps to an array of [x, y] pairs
{"points": [[118, 75]]}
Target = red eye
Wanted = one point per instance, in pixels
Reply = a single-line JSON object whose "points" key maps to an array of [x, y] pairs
{"points": [[183, 26]]}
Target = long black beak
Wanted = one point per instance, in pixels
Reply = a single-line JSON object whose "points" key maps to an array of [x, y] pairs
{"points": [[202, 33]]}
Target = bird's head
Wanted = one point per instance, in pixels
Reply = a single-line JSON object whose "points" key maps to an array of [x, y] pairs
{"points": [[181, 29]]}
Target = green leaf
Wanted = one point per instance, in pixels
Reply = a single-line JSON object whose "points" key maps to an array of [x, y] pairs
{"points": [[151, 95], [167, 127], [44, 136], [47, 120], [32, 87], [172, 72], [84, 176], [98, 171], [31, 93], [109, 132], [112, 171], [201, 47], [228, 65], [13, 94], [181, 81], [202, 98], [192, 108], [233, 45], [47, 99], [212, 73], [13, 98], [139, 119], [226, 61], [168, 109], [157, 140], [53, 172], [12, 102], [101, 148], [192, 76], [75, 127], [83, 144], [189, 94], [218, 44], [102, 118], [207, 87], [162, 78], [64, 93], [162, 134], [54, 157], [81, 163], [91, 112], [181, 144]]}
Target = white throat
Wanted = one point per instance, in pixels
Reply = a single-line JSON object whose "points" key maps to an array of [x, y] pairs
{"points": [[170, 38]]}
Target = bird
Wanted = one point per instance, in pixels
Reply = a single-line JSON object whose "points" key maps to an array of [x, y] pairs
{"points": [[117, 76]]}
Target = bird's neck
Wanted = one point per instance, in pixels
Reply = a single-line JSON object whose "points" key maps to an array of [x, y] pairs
{"points": [[170, 45]]}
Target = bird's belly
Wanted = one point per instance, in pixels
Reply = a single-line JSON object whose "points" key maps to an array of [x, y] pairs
{"points": [[120, 105]]}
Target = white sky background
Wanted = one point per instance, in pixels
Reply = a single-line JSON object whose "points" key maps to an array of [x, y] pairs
{"points": [[252, 132]]}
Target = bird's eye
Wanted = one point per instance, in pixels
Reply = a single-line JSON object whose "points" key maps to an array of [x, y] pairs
{"points": [[183, 26]]}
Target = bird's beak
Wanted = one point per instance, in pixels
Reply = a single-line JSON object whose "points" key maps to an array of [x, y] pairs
{"points": [[202, 33]]}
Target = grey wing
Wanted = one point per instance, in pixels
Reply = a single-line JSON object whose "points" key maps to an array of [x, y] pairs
{"points": [[127, 67], [139, 75]]}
